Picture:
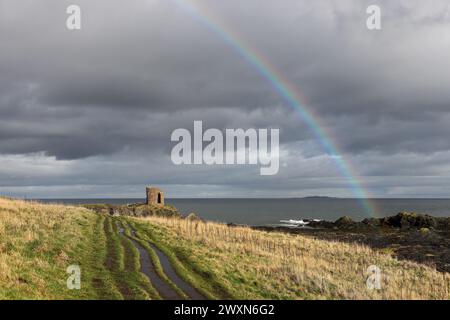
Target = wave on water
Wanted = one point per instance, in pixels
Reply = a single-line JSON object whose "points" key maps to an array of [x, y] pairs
{"points": [[297, 223]]}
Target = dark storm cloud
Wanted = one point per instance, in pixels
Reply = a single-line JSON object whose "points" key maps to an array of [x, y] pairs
{"points": [[100, 104]]}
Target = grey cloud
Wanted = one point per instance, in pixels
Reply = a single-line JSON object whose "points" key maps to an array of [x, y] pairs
{"points": [[116, 89]]}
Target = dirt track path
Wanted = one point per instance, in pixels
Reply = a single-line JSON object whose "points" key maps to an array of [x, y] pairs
{"points": [[172, 275], [165, 290], [147, 268]]}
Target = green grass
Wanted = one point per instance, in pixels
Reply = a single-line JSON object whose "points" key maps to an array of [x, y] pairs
{"points": [[131, 284], [38, 242], [241, 263], [205, 282], [154, 257], [96, 281]]}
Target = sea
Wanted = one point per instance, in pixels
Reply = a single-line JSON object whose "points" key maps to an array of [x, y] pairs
{"points": [[277, 211]]}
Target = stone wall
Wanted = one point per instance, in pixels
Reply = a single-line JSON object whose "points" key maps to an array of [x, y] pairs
{"points": [[155, 196]]}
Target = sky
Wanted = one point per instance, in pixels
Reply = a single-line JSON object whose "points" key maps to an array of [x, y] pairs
{"points": [[89, 113]]}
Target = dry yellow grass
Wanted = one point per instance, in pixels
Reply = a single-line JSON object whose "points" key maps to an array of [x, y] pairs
{"points": [[37, 243], [255, 264]]}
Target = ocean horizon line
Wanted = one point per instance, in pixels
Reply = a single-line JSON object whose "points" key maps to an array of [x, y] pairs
{"points": [[237, 198]]}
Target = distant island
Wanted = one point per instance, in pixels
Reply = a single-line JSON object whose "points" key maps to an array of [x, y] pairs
{"points": [[319, 197]]}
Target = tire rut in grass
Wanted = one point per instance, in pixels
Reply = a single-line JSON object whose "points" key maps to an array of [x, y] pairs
{"points": [[128, 262], [112, 262], [173, 276], [109, 262], [170, 272], [147, 268]]}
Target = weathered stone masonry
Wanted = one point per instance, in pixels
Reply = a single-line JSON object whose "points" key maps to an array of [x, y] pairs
{"points": [[155, 196]]}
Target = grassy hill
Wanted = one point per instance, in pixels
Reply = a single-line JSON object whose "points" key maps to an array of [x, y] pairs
{"points": [[251, 264], [38, 242]]}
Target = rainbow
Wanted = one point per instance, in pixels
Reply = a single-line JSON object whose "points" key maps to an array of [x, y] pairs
{"points": [[201, 13]]}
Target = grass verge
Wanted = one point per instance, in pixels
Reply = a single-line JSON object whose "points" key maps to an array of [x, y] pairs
{"points": [[121, 261], [251, 264], [200, 279], [39, 242], [153, 256]]}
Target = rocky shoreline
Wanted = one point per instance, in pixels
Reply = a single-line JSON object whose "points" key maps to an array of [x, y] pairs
{"points": [[421, 238]]}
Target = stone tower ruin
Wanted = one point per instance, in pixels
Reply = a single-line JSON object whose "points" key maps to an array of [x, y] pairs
{"points": [[154, 196]]}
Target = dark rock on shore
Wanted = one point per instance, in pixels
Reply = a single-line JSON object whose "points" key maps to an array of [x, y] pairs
{"points": [[322, 224], [420, 238], [403, 220], [345, 223], [411, 220]]}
